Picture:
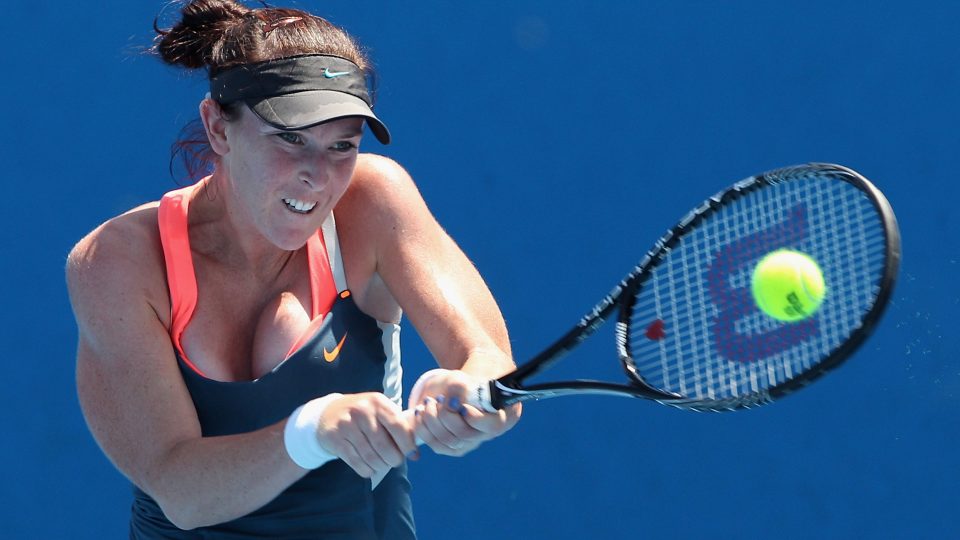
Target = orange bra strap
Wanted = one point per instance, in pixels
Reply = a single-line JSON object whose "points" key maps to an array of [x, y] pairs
{"points": [[181, 280], [323, 290]]}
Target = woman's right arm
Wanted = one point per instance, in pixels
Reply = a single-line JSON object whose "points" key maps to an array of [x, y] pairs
{"points": [[138, 408]]}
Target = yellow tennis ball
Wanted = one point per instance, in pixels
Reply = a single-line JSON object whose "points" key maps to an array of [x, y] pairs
{"points": [[788, 285]]}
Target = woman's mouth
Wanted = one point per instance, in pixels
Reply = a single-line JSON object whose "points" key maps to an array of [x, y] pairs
{"points": [[298, 206]]}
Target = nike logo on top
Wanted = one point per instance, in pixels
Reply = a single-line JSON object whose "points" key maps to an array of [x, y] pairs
{"points": [[334, 74], [330, 356]]}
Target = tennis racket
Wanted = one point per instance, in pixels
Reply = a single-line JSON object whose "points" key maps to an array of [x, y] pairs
{"points": [[688, 332]]}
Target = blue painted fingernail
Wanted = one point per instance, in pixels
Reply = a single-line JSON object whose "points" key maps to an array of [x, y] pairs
{"points": [[440, 399], [426, 401], [454, 404], [462, 411]]}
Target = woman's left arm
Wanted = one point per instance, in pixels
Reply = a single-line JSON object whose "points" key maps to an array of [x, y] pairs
{"points": [[443, 295]]}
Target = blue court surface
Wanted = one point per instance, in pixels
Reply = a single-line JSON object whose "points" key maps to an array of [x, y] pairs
{"points": [[554, 140]]}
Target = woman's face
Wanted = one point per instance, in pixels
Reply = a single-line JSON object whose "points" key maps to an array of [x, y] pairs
{"points": [[285, 183]]}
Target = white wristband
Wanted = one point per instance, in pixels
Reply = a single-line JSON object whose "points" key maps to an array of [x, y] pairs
{"points": [[300, 433]]}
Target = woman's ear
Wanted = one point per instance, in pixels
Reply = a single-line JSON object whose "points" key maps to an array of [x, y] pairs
{"points": [[211, 113]]}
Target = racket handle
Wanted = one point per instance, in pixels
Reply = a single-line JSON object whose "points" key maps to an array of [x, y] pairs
{"points": [[479, 398], [482, 397]]}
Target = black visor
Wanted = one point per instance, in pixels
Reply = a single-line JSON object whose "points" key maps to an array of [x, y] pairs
{"points": [[300, 92]]}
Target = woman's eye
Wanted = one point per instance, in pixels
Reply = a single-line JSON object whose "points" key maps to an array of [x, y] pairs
{"points": [[292, 138], [343, 146]]}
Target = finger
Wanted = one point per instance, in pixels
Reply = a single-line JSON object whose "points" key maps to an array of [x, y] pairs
{"points": [[479, 421], [452, 416], [399, 426], [434, 433], [385, 451], [362, 434], [491, 424], [348, 453], [388, 435], [513, 414], [420, 431], [466, 437]]}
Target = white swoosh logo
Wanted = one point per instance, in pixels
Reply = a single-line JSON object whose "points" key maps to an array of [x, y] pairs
{"points": [[334, 74]]}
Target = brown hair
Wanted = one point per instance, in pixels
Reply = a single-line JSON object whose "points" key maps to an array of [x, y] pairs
{"points": [[220, 34]]}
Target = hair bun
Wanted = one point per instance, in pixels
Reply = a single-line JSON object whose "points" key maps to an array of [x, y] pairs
{"points": [[193, 40]]}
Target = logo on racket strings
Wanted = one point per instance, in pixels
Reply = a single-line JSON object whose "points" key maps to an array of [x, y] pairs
{"points": [[736, 303]]}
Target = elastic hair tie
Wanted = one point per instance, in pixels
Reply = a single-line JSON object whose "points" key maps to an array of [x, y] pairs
{"points": [[273, 25]]}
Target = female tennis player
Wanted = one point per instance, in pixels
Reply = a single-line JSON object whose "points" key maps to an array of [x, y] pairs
{"points": [[238, 357]]}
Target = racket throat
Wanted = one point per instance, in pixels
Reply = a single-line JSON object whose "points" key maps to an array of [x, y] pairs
{"points": [[506, 395]]}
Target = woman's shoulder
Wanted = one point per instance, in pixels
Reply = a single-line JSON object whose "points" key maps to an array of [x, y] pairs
{"points": [[122, 254], [381, 198], [125, 237], [379, 171], [380, 186]]}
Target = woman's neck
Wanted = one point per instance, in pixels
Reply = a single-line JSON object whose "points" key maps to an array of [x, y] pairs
{"points": [[218, 231]]}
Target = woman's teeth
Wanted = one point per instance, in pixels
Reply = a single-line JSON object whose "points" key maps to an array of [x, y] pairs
{"points": [[299, 206]]}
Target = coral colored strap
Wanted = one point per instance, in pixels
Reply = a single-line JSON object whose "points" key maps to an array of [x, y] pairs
{"points": [[181, 280], [323, 290]]}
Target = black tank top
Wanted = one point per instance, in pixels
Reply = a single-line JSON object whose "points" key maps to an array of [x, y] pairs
{"points": [[331, 502]]}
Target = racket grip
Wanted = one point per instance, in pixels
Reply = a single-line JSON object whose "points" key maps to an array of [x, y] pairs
{"points": [[482, 397], [479, 397]]}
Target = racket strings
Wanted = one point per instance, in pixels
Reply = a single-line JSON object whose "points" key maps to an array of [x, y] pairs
{"points": [[694, 329]]}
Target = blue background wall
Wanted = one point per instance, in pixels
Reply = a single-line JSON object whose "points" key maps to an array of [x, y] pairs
{"points": [[536, 129]]}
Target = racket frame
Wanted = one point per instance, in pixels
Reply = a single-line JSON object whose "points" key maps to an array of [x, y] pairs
{"points": [[509, 389]]}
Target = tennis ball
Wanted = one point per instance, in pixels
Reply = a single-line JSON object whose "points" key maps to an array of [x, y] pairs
{"points": [[787, 285]]}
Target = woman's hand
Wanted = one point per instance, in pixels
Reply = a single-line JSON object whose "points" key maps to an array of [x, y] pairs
{"points": [[385, 223], [446, 422], [368, 432]]}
